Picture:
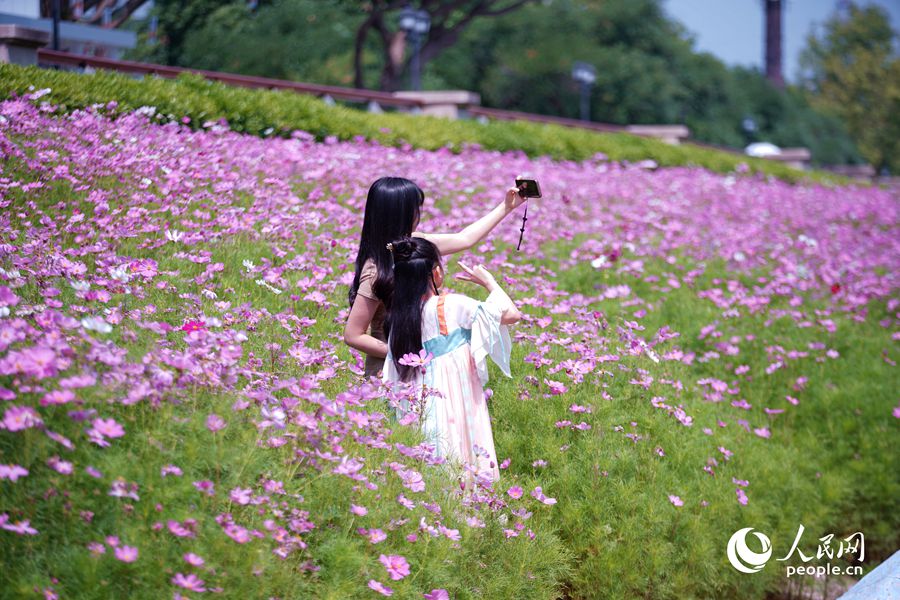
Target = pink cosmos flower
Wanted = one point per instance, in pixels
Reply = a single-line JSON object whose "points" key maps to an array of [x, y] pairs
{"points": [[12, 472], [380, 587], [122, 489], [676, 500], [515, 492], [556, 388], [450, 534], [19, 527], [741, 496], [538, 494], [96, 548], [396, 566], [193, 560], [7, 297], [237, 533], [241, 495], [215, 423], [376, 535], [412, 479], [762, 432], [62, 467], [189, 582], [18, 418], [358, 510], [57, 397], [206, 486], [127, 554], [108, 428], [420, 360], [180, 530], [170, 470], [191, 326], [437, 594]]}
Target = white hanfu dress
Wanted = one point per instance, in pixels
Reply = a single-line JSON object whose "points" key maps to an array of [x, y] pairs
{"points": [[461, 333]]}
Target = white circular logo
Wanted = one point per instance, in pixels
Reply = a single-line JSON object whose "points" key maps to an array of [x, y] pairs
{"points": [[743, 558]]}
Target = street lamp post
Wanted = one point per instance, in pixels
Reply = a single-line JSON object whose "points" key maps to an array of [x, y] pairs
{"points": [[748, 125], [586, 75], [55, 24], [415, 24]]}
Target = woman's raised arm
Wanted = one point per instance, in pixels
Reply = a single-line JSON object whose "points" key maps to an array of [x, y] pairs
{"points": [[451, 243]]}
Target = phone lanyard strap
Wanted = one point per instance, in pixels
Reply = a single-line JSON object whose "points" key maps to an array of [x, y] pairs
{"points": [[522, 231]]}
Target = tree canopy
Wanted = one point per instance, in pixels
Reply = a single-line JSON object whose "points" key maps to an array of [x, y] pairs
{"points": [[517, 55], [852, 69]]}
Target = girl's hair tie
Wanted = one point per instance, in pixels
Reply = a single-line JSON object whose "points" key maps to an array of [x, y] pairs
{"points": [[390, 246]]}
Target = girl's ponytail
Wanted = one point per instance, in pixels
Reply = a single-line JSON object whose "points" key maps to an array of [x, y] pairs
{"points": [[414, 261]]}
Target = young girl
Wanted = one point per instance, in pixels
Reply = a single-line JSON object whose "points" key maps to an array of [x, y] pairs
{"points": [[392, 212], [460, 333]]}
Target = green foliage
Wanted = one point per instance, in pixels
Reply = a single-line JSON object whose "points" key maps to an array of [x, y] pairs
{"points": [[177, 19], [296, 40], [647, 72], [853, 70], [647, 69], [264, 112]]}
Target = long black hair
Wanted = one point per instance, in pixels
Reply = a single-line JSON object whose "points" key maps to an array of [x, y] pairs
{"points": [[414, 261], [393, 206]]}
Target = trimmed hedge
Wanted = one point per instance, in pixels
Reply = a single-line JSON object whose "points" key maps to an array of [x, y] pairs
{"points": [[277, 112]]}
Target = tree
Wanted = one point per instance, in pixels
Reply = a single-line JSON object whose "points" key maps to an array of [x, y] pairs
{"points": [[449, 18], [647, 72], [301, 40], [853, 70], [177, 20]]}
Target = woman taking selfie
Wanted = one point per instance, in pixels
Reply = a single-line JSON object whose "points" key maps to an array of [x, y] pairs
{"points": [[393, 207]]}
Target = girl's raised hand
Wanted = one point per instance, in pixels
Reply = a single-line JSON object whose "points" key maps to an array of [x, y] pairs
{"points": [[478, 275], [513, 198]]}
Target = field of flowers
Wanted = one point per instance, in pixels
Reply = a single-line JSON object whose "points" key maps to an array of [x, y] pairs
{"points": [[179, 416]]}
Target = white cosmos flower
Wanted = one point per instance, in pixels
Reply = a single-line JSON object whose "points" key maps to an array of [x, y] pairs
{"points": [[96, 324], [80, 286], [265, 284], [805, 239], [120, 274], [599, 261], [173, 235], [209, 294], [248, 264]]}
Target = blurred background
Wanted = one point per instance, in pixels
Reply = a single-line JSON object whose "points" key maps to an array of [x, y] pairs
{"points": [[756, 76]]}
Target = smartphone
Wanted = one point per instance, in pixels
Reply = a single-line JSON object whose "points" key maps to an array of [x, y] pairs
{"points": [[528, 188]]}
